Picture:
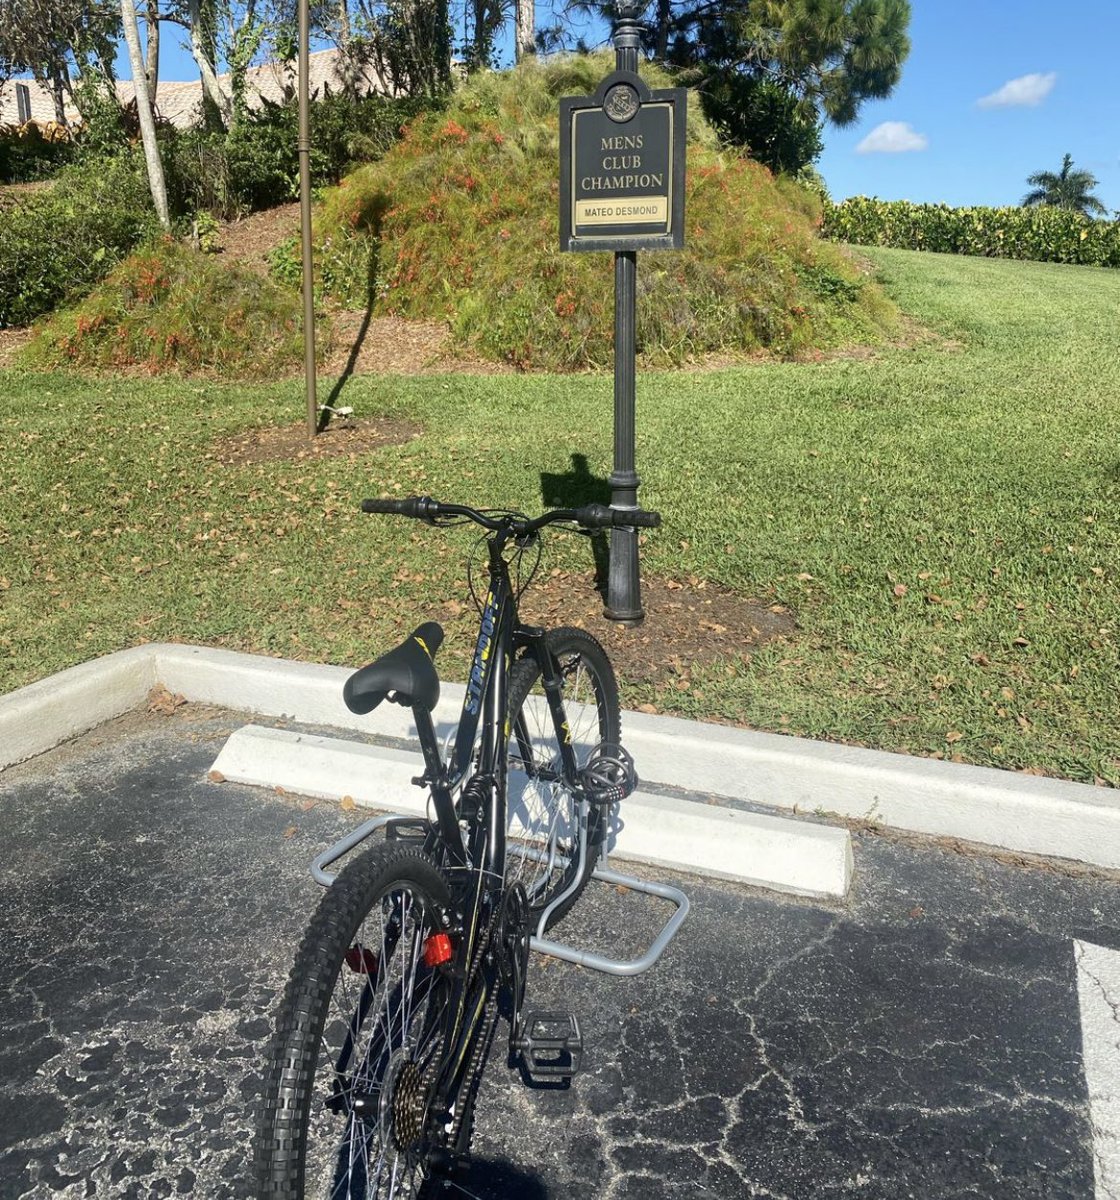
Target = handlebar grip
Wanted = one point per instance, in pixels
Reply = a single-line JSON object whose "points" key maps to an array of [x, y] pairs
{"points": [[599, 516], [421, 507]]}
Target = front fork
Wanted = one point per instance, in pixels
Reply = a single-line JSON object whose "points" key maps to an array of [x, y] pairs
{"points": [[534, 639]]}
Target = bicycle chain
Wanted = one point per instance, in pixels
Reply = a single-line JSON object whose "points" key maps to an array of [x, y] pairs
{"points": [[475, 1063]]}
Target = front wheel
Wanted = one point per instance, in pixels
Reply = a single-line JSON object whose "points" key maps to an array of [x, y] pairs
{"points": [[544, 810], [359, 1036]]}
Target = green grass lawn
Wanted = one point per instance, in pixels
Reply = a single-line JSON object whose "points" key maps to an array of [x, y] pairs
{"points": [[943, 520]]}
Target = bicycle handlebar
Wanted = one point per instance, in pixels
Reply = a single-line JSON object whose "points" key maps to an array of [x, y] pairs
{"points": [[599, 516], [590, 516], [414, 506]]}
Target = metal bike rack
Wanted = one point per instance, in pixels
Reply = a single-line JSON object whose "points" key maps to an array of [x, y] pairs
{"points": [[602, 872], [344, 845]]}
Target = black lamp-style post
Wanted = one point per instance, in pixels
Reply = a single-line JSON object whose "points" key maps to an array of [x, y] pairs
{"points": [[622, 184], [624, 595]]}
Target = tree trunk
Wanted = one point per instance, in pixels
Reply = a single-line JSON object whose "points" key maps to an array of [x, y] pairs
{"points": [[144, 112], [664, 12], [245, 43], [57, 96], [525, 21], [348, 70], [151, 21], [201, 41]]}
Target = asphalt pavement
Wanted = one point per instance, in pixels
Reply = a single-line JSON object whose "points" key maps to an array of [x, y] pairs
{"points": [[921, 1038]]}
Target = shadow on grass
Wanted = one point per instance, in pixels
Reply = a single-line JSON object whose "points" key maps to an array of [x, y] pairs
{"points": [[326, 406], [572, 490]]}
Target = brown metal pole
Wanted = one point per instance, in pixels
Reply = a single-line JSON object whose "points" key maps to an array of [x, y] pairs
{"points": [[304, 147]]}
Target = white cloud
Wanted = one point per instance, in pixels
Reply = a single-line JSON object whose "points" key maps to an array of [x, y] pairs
{"points": [[1027, 91], [892, 137]]}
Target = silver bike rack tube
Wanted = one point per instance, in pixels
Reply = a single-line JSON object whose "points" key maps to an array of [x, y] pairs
{"points": [[344, 845], [543, 945]]}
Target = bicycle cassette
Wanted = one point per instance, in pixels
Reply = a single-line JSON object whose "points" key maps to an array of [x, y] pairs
{"points": [[609, 775]]}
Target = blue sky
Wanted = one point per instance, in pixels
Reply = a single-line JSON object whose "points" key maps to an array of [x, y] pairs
{"points": [[964, 51], [1064, 96]]}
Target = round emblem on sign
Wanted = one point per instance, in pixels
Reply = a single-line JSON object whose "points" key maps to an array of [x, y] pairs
{"points": [[621, 102]]}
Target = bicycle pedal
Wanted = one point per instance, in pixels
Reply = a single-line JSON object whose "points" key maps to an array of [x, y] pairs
{"points": [[549, 1044]]}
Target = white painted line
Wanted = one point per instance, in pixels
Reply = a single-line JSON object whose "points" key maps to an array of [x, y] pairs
{"points": [[1098, 992], [787, 855], [978, 804]]}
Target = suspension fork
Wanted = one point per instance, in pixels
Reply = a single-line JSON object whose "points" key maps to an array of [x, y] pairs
{"points": [[534, 639]]}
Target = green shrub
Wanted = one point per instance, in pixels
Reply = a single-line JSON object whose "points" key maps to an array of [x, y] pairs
{"points": [[206, 233], [55, 245], [27, 155], [256, 164], [459, 221], [1041, 234], [168, 307]]}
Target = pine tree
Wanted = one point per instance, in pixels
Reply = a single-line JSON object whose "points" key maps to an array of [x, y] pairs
{"points": [[775, 70]]}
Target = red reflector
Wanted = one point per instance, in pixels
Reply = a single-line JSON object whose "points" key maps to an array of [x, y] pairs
{"points": [[361, 961], [437, 950]]}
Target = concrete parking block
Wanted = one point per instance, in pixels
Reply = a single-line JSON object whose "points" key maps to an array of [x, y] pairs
{"points": [[787, 855]]}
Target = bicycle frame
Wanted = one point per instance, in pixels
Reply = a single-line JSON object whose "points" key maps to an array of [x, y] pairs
{"points": [[478, 861], [455, 933], [501, 636]]}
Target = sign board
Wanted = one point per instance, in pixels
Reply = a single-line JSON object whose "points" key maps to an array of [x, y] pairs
{"points": [[622, 167]]}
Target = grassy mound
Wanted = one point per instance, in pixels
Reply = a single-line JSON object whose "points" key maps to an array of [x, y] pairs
{"points": [[168, 307], [459, 221]]}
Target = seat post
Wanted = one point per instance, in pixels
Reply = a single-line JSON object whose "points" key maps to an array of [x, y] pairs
{"points": [[446, 817], [429, 744]]}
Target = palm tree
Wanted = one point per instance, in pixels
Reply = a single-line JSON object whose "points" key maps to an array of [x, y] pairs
{"points": [[1069, 189]]}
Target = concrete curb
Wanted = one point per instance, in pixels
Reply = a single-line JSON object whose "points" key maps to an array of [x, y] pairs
{"points": [[790, 856], [978, 804]]}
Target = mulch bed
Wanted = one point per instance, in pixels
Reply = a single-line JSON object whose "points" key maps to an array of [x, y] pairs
{"points": [[689, 622], [342, 437], [249, 240], [393, 345], [11, 342]]}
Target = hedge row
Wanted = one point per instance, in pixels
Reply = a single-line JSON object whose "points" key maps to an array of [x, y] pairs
{"points": [[29, 153], [1042, 234], [56, 244]]}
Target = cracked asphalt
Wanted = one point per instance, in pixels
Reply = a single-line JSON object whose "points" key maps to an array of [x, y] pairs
{"points": [[921, 1039]]}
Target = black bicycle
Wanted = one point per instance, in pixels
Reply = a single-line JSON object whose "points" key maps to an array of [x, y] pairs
{"points": [[393, 1001]]}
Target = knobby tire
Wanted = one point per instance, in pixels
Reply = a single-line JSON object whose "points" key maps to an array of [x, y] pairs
{"points": [[358, 1029]]}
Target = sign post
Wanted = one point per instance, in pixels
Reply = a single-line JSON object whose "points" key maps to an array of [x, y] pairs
{"points": [[622, 189]]}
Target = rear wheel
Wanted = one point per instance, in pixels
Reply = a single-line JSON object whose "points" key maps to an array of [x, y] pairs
{"points": [[357, 1050], [544, 811]]}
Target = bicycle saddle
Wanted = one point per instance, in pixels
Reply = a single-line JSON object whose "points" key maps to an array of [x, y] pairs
{"points": [[407, 675]]}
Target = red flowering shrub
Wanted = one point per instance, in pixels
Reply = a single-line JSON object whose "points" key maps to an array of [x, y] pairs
{"points": [[171, 308], [459, 221]]}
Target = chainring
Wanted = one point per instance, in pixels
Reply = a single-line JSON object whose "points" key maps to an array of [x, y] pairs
{"points": [[512, 934]]}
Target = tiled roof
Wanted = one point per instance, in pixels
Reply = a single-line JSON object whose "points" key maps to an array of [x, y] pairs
{"points": [[180, 103], [42, 103]]}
